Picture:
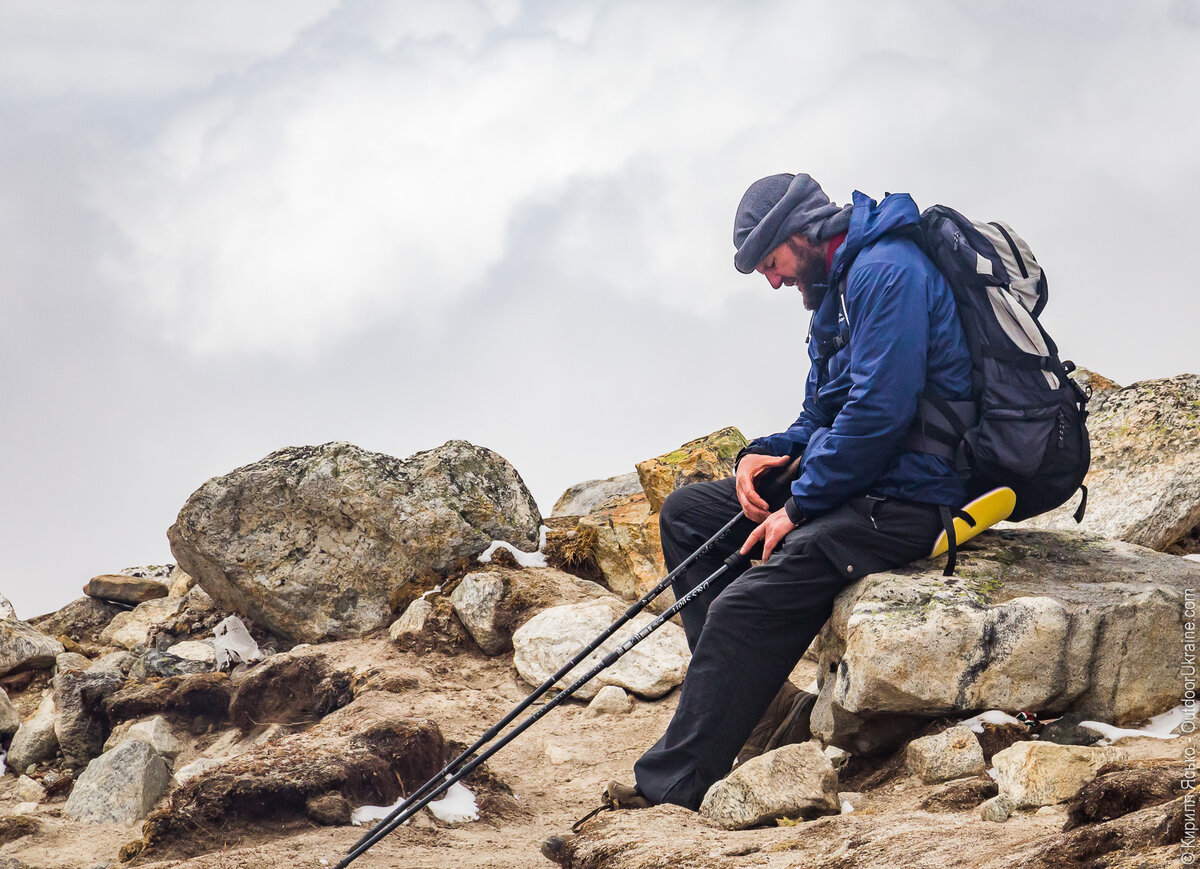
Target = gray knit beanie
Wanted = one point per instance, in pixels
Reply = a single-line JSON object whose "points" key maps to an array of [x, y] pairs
{"points": [[777, 207]]}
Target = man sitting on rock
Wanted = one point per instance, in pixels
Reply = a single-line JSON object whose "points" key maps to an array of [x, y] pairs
{"points": [[884, 332]]}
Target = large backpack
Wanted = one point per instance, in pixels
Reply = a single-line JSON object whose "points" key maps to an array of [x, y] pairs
{"points": [[1024, 427]]}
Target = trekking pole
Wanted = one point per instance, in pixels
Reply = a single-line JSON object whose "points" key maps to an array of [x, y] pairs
{"points": [[775, 485], [566, 668], [734, 561]]}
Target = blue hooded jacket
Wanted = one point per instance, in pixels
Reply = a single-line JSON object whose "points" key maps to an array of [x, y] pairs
{"points": [[860, 400]]}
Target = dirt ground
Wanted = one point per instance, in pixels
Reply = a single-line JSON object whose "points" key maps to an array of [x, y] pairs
{"points": [[556, 772]]}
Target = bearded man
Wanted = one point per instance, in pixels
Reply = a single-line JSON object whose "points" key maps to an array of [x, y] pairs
{"points": [[884, 334]]}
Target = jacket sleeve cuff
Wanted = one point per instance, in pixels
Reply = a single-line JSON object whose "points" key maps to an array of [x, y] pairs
{"points": [[750, 451], [795, 512]]}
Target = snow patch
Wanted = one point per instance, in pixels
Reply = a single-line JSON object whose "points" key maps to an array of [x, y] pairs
{"points": [[525, 559], [457, 807], [434, 590], [3, 754], [1158, 727], [992, 716], [1195, 556], [846, 807]]}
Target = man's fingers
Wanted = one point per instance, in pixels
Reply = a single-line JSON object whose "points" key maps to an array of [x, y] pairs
{"points": [[754, 537]]}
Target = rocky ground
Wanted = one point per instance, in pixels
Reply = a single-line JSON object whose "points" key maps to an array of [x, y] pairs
{"points": [[342, 623]]}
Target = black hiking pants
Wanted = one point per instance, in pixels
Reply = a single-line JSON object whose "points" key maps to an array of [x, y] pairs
{"points": [[748, 631]]}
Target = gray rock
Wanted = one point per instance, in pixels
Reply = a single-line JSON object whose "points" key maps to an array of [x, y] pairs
{"points": [[858, 732], [412, 621], [124, 589], [1035, 620], [82, 619], [114, 662], [10, 719], [1043, 773], [71, 661], [35, 740], [548, 640], [490, 604], [1066, 731], [331, 810], [796, 781], [132, 629], [583, 498], [476, 601], [610, 700], [154, 731], [1144, 482], [80, 723], [953, 753], [120, 786], [30, 791], [312, 542], [152, 664], [23, 647], [997, 809], [195, 650], [7, 612]]}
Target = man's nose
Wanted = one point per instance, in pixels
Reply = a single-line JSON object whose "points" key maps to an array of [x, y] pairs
{"points": [[774, 279]]}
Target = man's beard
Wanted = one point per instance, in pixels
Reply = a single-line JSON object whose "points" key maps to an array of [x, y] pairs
{"points": [[811, 275]]}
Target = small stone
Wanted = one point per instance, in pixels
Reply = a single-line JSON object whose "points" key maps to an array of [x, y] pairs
{"points": [[793, 781], [610, 700], [837, 756], [29, 790], [853, 799], [114, 662], [997, 809], [124, 589], [194, 650], [412, 621], [71, 661], [196, 767], [330, 809], [153, 664], [953, 753], [131, 629], [154, 731], [80, 723], [475, 600], [559, 754]]}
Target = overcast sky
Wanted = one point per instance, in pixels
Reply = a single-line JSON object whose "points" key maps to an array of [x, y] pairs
{"points": [[229, 227]]}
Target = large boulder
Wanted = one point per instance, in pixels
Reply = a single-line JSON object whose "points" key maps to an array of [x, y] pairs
{"points": [[547, 641], [708, 458], [23, 647], [120, 786], [586, 497], [491, 604], [795, 781], [312, 542], [1144, 483], [1040, 620]]}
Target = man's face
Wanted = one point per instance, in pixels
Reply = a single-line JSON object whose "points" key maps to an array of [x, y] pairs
{"points": [[797, 263]]}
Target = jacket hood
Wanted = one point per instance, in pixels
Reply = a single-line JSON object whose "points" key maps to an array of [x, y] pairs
{"points": [[871, 221]]}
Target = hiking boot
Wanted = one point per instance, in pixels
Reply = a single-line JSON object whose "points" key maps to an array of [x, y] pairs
{"points": [[621, 796], [796, 725], [779, 709], [554, 847]]}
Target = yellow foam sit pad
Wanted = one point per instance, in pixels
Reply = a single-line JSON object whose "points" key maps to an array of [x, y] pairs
{"points": [[988, 509]]}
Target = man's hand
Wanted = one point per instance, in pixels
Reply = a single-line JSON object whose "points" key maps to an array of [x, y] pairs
{"points": [[770, 533], [748, 470]]}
